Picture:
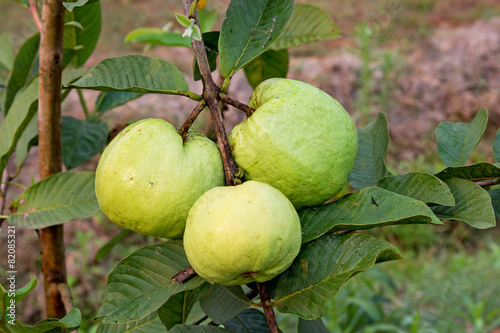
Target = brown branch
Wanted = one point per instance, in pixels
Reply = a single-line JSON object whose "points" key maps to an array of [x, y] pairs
{"points": [[34, 13], [237, 104], [192, 117], [488, 182], [185, 275], [211, 96], [50, 160], [268, 309]]}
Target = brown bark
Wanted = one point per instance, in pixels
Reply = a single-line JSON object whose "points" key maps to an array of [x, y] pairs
{"points": [[237, 104], [50, 159], [192, 117], [185, 275], [268, 309]]}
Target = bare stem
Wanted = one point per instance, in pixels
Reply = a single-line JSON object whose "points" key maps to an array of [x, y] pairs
{"points": [[83, 103], [268, 309], [192, 117], [237, 104], [211, 96], [50, 159]]}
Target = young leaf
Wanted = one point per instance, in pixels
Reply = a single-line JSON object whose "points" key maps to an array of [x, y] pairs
{"points": [[19, 293], [80, 3], [68, 324], [142, 282], [156, 36], [308, 24], [207, 19], [250, 320], [495, 200], [456, 141], [198, 329], [496, 146], [474, 173], [367, 208], [176, 310], [148, 324], [104, 251], [323, 266], [223, 303], [307, 326], [22, 111], [369, 166], [473, 205], [211, 40], [6, 52], [250, 28], [111, 99], [420, 186], [54, 200], [83, 42], [134, 73], [81, 140], [183, 20], [23, 63], [267, 65]]}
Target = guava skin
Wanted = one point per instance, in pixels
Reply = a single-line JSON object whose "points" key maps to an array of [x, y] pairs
{"points": [[241, 234], [299, 140], [147, 179]]}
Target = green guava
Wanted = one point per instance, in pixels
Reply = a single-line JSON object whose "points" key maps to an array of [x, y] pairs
{"points": [[241, 234], [147, 178], [299, 140]]}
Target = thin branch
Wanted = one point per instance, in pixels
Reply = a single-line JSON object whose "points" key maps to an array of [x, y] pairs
{"points": [[488, 182], [185, 275], [83, 103], [211, 96], [34, 13], [237, 104], [192, 117], [3, 194], [268, 309]]}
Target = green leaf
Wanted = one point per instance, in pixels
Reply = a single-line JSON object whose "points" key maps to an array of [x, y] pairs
{"points": [[211, 41], [23, 63], [207, 19], [24, 3], [68, 324], [456, 141], [267, 65], [198, 329], [82, 139], [26, 289], [250, 28], [323, 266], [80, 3], [495, 200], [308, 24], [111, 99], [496, 146], [74, 24], [6, 295], [248, 321], [157, 36], [22, 111], [134, 73], [369, 166], [367, 208], [420, 186], [473, 205], [104, 251], [6, 52], [222, 303], [183, 20], [309, 326], [54, 200], [196, 34], [475, 172], [142, 282], [148, 324], [83, 42], [176, 310]]}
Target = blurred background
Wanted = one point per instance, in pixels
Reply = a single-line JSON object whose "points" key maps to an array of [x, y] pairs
{"points": [[419, 61]]}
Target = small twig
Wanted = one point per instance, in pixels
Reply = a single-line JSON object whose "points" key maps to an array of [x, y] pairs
{"points": [[268, 309], [3, 194], [35, 15], [83, 103], [192, 117], [185, 275], [198, 322], [237, 104], [488, 182]]}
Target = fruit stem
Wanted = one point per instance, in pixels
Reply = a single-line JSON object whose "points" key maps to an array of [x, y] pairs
{"points": [[211, 96], [190, 120], [237, 104], [268, 309]]}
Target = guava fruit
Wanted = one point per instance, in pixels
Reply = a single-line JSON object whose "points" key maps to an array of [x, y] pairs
{"points": [[299, 140], [241, 234], [147, 178]]}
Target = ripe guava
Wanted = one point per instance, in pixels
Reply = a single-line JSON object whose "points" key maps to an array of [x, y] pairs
{"points": [[241, 234], [299, 140], [147, 178]]}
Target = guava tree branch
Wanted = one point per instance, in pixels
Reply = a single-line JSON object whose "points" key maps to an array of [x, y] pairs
{"points": [[192, 117], [211, 96], [50, 160], [237, 104], [268, 309]]}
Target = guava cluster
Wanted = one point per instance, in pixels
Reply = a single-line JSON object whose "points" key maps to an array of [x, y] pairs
{"points": [[296, 149]]}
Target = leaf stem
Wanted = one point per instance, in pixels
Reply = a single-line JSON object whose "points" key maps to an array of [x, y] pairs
{"points": [[268, 309], [192, 117], [34, 13], [237, 104], [83, 103]]}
